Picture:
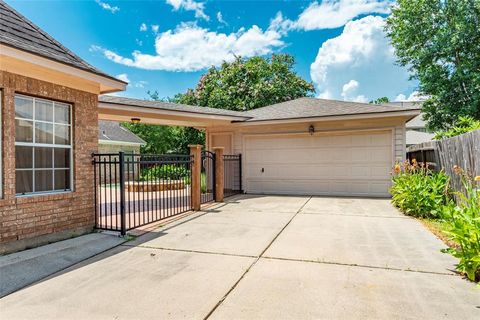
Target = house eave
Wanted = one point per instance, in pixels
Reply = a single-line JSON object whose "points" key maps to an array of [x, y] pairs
{"points": [[106, 84], [408, 114], [123, 143]]}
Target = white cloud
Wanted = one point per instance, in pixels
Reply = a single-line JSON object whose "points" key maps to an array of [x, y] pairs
{"points": [[361, 52], [349, 87], [143, 27], [155, 28], [336, 13], [349, 92], [140, 84], [123, 77], [137, 84], [220, 18], [414, 96], [190, 5], [191, 48], [329, 14], [107, 6]]}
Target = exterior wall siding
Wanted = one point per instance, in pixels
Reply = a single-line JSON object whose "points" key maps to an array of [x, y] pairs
{"points": [[34, 220]]}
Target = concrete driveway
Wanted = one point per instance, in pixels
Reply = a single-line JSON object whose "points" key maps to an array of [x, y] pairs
{"points": [[264, 257]]}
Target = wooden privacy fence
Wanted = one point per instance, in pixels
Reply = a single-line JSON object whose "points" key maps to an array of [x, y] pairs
{"points": [[462, 151]]}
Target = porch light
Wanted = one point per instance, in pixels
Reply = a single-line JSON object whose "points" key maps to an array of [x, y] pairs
{"points": [[135, 120], [311, 129]]}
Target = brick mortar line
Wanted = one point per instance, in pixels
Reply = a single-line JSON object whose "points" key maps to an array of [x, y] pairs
{"points": [[254, 262]]}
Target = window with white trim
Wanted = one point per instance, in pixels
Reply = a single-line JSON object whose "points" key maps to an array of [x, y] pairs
{"points": [[43, 145]]}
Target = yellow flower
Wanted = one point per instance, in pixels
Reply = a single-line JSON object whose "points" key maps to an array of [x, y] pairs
{"points": [[397, 168], [457, 169], [477, 178]]}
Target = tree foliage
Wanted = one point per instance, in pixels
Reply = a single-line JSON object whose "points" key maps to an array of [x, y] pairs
{"points": [[380, 100], [462, 125], [246, 84], [166, 139], [439, 40]]}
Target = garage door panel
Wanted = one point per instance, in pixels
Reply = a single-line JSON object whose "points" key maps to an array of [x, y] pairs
{"points": [[342, 164], [315, 187]]}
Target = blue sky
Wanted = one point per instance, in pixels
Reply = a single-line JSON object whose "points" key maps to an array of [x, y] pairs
{"points": [[166, 45]]}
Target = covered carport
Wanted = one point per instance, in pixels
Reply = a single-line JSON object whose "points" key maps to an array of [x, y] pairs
{"points": [[134, 190], [164, 113]]}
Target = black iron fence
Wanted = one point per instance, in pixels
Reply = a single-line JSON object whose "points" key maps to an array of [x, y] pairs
{"points": [[133, 190], [207, 177], [232, 174]]}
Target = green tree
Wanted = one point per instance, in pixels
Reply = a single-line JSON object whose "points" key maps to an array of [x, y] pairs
{"points": [[166, 139], [439, 41], [157, 138], [380, 100], [462, 125], [246, 84]]}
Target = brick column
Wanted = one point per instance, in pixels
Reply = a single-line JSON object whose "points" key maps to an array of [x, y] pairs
{"points": [[196, 152], [219, 173]]}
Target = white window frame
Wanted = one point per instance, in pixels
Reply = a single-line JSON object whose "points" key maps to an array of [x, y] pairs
{"points": [[47, 145]]}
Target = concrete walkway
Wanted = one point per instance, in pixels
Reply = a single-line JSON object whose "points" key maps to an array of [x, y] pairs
{"points": [[21, 269], [264, 257]]}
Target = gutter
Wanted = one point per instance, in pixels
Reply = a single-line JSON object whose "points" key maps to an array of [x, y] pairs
{"points": [[411, 113]]}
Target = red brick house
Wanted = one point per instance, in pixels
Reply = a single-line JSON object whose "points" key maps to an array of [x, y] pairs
{"points": [[49, 128]]}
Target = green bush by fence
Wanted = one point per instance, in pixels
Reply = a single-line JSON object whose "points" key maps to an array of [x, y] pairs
{"points": [[419, 192]]}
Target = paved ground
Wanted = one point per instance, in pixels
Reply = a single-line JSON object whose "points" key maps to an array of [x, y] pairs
{"points": [[259, 257], [21, 269]]}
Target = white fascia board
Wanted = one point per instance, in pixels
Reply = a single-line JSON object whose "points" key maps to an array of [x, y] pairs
{"points": [[409, 113], [123, 143], [114, 85]]}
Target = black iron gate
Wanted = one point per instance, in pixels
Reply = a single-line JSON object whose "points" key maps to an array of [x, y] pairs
{"points": [[207, 177], [133, 190], [232, 183]]}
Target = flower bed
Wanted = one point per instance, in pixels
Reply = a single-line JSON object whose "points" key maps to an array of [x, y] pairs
{"points": [[422, 193]]}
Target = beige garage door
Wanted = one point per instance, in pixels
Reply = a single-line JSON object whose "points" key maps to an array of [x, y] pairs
{"points": [[356, 164]]}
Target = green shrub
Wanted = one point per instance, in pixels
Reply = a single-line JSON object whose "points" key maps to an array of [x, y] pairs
{"points": [[464, 228], [419, 192], [463, 125], [167, 171]]}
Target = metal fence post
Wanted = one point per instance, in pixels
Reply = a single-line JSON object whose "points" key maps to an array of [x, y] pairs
{"points": [[240, 171], [121, 158]]}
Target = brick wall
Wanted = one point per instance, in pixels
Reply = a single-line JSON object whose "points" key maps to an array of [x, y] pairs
{"points": [[35, 220]]}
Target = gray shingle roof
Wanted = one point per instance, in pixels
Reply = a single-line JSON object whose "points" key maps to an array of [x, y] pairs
{"points": [[313, 108], [169, 106], [113, 131], [18, 32], [293, 109]]}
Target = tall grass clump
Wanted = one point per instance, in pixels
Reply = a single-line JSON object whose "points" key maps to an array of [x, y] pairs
{"points": [[418, 191], [464, 226]]}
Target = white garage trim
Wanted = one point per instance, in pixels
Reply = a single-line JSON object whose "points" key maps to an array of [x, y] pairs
{"points": [[305, 182]]}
